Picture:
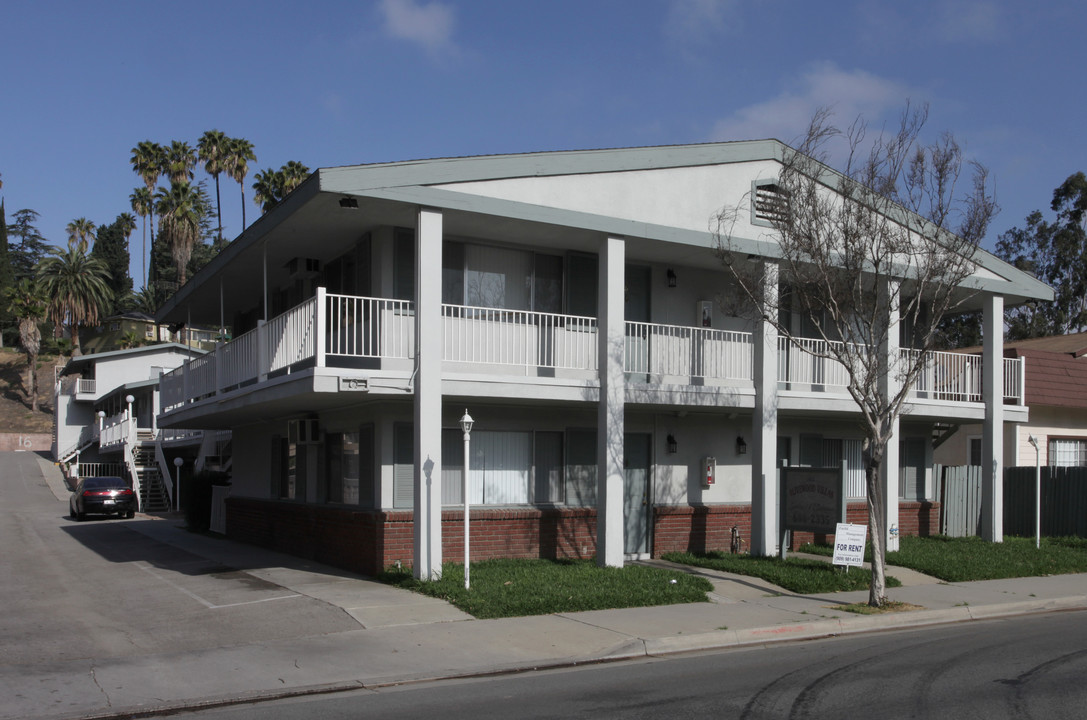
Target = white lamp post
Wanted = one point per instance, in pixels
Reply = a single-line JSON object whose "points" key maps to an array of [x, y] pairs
{"points": [[101, 420], [178, 462], [1037, 491], [466, 425], [129, 399]]}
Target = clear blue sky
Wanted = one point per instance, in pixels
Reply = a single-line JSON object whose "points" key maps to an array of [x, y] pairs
{"points": [[339, 83]]}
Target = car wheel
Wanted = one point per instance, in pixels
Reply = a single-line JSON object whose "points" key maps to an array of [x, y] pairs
{"points": [[130, 514], [80, 516], [71, 512]]}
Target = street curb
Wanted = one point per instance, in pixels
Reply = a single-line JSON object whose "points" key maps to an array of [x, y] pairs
{"points": [[723, 639], [635, 648]]}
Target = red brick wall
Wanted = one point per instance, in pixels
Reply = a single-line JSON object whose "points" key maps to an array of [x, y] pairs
{"points": [[367, 541]]}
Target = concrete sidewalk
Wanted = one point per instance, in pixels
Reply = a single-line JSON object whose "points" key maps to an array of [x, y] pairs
{"points": [[404, 637]]}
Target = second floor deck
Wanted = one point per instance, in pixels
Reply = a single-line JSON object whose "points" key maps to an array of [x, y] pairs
{"points": [[342, 331]]}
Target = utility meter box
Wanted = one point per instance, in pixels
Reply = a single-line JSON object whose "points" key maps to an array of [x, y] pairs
{"points": [[709, 471]]}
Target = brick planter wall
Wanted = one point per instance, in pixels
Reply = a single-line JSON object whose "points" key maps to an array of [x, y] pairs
{"points": [[367, 541]]}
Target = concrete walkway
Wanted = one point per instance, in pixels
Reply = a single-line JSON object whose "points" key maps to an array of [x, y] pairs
{"points": [[403, 637]]}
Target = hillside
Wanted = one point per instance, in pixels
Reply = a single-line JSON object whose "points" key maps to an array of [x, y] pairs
{"points": [[15, 415]]}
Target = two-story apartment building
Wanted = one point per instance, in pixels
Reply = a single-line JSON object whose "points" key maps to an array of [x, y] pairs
{"points": [[106, 408], [573, 304]]}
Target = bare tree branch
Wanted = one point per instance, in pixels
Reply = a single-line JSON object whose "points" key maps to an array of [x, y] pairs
{"points": [[892, 231]]}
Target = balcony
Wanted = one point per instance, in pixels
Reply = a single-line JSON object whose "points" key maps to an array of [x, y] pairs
{"points": [[331, 330]]}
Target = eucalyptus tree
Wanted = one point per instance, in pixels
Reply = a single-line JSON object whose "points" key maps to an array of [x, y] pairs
{"points": [[80, 233], [213, 150], [180, 215], [76, 288], [239, 155], [28, 306]]}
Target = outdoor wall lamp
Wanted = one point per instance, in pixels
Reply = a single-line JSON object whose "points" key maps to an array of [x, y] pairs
{"points": [[673, 446], [671, 278], [741, 446]]}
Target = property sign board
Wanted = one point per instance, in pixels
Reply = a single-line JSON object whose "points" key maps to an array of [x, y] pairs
{"points": [[849, 544], [812, 499]]}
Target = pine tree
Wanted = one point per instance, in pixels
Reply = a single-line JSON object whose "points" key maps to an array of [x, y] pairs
{"points": [[112, 249]]}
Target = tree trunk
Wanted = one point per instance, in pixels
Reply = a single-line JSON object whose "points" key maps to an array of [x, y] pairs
{"points": [[877, 589], [32, 381]]}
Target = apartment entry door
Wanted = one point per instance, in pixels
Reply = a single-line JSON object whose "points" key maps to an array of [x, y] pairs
{"points": [[636, 493]]}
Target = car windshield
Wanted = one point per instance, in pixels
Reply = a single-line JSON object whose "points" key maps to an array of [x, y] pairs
{"points": [[104, 483]]}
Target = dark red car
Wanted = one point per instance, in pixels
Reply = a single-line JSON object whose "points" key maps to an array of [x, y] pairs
{"points": [[103, 496]]}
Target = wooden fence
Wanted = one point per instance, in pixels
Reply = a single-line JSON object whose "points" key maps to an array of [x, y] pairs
{"points": [[1064, 501]]}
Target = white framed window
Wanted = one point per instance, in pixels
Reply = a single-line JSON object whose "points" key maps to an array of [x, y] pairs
{"points": [[1067, 452]]}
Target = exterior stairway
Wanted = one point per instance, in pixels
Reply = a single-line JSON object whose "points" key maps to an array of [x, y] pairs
{"points": [[153, 497]]}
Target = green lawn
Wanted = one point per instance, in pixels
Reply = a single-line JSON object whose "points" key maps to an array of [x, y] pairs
{"points": [[514, 588], [971, 558], [797, 575]]}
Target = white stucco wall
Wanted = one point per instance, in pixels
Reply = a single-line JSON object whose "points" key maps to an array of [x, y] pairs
{"points": [[678, 197]]}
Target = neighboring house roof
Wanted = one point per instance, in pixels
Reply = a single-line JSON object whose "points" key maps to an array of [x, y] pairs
{"points": [[76, 364], [1074, 344], [1054, 378], [1056, 368]]}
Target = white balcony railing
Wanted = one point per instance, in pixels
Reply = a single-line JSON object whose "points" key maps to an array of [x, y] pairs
{"points": [[370, 327], [488, 336], [688, 352], [329, 329], [85, 386], [947, 376], [1015, 380]]}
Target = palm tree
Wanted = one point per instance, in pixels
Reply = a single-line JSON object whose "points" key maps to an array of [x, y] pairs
{"points": [[147, 160], [28, 305], [178, 162], [266, 189], [130, 339], [146, 300], [75, 285], [294, 173], [179, 224], [213, 149], [143, 205], [81, 233], [239, 155]]}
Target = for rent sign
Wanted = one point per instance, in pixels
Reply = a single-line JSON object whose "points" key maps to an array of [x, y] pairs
{"points": [[849, 544]]}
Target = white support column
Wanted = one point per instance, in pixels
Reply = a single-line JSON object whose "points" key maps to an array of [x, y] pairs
{"points": [[427, 559], [889, 385], [320, 312], [992, 438], [764, 430], [611, 338]]}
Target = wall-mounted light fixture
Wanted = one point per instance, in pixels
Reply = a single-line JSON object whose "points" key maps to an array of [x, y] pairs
{"points": [[741, 446], [673, 446], [671, 278]]}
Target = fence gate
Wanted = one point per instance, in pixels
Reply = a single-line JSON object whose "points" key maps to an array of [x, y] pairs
{"points": [[960, 500]]}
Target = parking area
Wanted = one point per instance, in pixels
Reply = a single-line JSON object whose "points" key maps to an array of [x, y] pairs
{"points": [[99, 588]]}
